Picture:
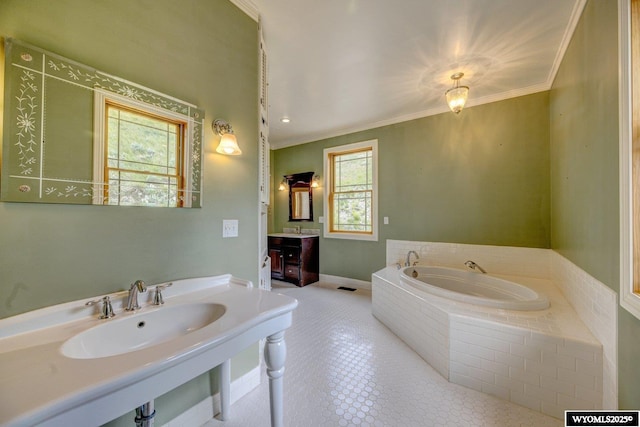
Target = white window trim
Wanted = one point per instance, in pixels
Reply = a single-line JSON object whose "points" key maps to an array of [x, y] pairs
{"points": [[328, 184], [628, 299], [100, 99]]}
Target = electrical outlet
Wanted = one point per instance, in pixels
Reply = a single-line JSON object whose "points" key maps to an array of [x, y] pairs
{"points": [[229, 228]]}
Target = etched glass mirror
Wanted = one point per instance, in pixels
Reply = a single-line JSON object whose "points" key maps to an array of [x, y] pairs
{"points": [[73, 134]]}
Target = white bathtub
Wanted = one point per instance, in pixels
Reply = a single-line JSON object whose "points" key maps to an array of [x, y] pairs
{"points": [[545, 359], [474, 288]]}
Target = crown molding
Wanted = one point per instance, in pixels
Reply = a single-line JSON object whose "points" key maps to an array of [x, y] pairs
{"points": [[247, 7], [578, 8], [290, 142]]}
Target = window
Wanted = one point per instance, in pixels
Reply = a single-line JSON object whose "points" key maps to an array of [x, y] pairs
{"points": [[139, 154], [351, 197], [629, 14]]}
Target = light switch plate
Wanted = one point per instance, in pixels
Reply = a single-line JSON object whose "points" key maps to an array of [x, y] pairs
{"points": [[229, 228], [386, 220]]}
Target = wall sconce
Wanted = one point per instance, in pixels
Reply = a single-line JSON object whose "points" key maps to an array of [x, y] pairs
{"points": [[315, 181], [228, 142], [457, 95], [283, 185]]}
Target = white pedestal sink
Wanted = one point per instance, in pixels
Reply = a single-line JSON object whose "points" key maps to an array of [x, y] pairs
{"points": [[62, 366], [135, 332]]}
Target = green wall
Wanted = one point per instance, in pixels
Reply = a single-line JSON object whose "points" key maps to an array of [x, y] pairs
{"points": [[585, 170], [538, 171], [481, 177], [203, 52]]}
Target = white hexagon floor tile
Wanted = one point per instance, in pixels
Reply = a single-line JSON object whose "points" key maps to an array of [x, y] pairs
{"points": [[344, 368]]}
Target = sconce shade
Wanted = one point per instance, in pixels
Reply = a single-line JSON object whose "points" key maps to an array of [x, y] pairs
{"points": [[228, 142], [229, 145], [457, 95], [283, 185]]}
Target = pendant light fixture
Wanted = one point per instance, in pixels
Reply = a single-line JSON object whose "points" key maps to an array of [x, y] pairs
{"points": [[457, 95]]}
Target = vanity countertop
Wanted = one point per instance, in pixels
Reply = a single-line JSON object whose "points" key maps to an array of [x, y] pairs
{"points": [[292, 235], [41, 386]]}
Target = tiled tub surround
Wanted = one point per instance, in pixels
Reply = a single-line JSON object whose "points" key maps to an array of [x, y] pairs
{"points": [[597, 306], [547, 360]]}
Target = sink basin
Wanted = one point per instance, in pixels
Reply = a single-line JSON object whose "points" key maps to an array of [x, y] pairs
{"points": [[133, 332]]}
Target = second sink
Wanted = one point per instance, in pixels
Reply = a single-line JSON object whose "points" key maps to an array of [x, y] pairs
{"points": [[140, 330]]}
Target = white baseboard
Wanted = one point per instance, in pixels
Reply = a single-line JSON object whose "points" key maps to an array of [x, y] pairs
{"points": [[346, 281], [206, 409]]}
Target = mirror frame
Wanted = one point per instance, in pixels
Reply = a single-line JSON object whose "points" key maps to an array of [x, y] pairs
{"points": [[33, 79], [300, 180]]}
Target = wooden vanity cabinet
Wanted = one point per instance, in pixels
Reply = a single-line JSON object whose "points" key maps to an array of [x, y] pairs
{"points": [[295, 259]]}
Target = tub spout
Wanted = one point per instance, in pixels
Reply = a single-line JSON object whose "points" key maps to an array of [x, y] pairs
{"points": [[472, 265], [408, 261]]}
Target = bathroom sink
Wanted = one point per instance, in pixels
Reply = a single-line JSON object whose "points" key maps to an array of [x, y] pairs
{"points": [[136, 356], [136, 331]]}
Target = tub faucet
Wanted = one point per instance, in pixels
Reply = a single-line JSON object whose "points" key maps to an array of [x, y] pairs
{"points": [[472, 265], [408, 261], [132, 299]]}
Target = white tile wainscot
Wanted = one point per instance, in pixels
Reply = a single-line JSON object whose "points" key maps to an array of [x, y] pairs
{"points": [[546, 360], [597, 306]]}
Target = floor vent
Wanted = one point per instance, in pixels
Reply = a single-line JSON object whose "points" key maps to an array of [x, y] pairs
{"points": [[344, 288]]}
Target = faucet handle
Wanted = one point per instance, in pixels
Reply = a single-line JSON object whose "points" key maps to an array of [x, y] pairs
{"points": [[157, 296], [107, 309]]}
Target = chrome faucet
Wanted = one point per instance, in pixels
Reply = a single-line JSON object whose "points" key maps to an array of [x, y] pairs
{"points": [[472, 265], [106, 312], [132, 299], [408, 261], [158, 299]]}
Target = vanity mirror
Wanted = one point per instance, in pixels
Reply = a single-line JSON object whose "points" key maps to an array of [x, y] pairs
{"points": [[73, 134], [300, 196]]}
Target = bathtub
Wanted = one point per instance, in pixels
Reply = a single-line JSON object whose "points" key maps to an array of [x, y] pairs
{"points": [[474, 288], [513, 337]]}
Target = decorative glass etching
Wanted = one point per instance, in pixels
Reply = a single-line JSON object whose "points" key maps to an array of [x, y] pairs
{"points": [[48, 137], [26, 115]]}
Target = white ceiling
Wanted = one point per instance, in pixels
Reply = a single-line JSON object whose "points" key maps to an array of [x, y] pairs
{"points": [[338, 66]]}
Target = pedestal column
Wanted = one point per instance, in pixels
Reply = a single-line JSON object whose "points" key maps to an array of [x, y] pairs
{"points": [[275, 352]]}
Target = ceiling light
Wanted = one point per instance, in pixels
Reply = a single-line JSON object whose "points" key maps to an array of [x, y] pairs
{"points": [[457, 95], [285, 120]]}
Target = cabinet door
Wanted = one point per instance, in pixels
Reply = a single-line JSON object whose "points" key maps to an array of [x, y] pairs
{"points": [[264, 167], [277, 264], [263, 126]]}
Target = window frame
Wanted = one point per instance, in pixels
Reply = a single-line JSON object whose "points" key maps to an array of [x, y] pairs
{"points": [[101, 99], [629, 82], [329, 153]]}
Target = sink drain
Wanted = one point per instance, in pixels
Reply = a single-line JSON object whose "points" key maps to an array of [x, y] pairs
{"points": [[141, 324]]}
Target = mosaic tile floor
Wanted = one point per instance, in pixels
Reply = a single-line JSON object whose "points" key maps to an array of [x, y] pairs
{"points": [[344, 368]]}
